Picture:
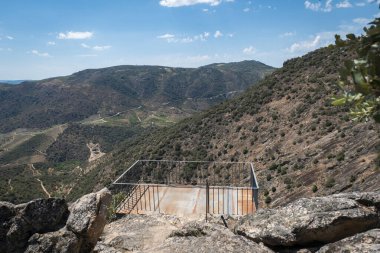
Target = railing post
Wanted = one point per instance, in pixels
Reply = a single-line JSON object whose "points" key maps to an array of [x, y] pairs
{"points": [[207, 198]]}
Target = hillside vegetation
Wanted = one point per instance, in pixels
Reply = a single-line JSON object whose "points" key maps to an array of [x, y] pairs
{"points": [[98, 110], [108, 91], [301, 145]]}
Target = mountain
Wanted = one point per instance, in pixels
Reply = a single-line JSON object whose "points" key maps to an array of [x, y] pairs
{"points": [[108, 91], [50, 129], [12, 81], [300, 144]]}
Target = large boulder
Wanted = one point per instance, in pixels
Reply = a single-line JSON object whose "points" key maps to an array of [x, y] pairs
{"points": [[313, 220], [7, 212], [368, 242], [45, 215], [37, 216], [61, 241], [88, 217]]}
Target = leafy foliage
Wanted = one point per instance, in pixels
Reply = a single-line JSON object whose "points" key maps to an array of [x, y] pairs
{"points": [[360, 78]]}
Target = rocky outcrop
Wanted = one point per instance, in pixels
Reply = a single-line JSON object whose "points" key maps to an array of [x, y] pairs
{"points": [[208, 237], [368, 242], [313, 220], [88, 218], [165, 233], [62, 241], [37, 216], [47, 225], [7, 212]]}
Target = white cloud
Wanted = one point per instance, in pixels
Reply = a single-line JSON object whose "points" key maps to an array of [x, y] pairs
{"points": [[101, 48], [344, 4], [9, 37], [246, 9], [312, 6], [360, 4], [361, 21], [287, 34], [305, 45], [249, 50], [75, 35], [218, 34], [168, 37], [96, 48], [180, 3], [317, 6], [85, 45], [51, 43], [36, 52], [171, 38], [373, 1], [205, 10]]}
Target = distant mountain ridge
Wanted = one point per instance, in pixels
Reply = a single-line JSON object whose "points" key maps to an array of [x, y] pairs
{"points": [[11, 81], [39, 104]]}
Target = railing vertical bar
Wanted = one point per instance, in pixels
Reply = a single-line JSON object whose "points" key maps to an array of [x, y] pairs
{"points": [[150, 206], [223, 199], [158, 194], [218, 200], [137, 206], [154, 200], [247, 197], [237, 201], [145, 197]]}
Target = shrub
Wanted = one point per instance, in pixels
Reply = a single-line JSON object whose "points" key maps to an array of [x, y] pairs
{"points": [[314, 188], [268, 199], [330, 182]]}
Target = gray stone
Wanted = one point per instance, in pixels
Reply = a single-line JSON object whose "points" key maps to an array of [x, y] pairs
{"points": [[88, 218], [368, 242], [45, 215], [197, 237], [313, 220], [7, 212], [37, 216], [18, 235], [61, 241]]}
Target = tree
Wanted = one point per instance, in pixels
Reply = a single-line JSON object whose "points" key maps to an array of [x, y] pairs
{"points": [[360, 78]]}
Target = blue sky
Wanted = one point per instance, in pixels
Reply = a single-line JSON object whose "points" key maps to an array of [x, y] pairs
{"points": [[46, 38]]}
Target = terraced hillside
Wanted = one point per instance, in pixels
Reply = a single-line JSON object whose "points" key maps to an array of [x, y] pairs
{"points": [[300, 144]]}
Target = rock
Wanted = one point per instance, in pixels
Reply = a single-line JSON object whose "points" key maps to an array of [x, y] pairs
{"points": [[313, 220], [18, 235], [7, 212], [207, 237], [137, 232], [103, 248], [88, 218], [45, 215], [37, 216], [61, 241], [368, 242]]}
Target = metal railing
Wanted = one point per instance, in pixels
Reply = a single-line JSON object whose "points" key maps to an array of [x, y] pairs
{"points": [[224, 182]]}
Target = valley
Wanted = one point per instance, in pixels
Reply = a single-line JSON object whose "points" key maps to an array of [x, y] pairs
{"points": [[59, 120]]}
